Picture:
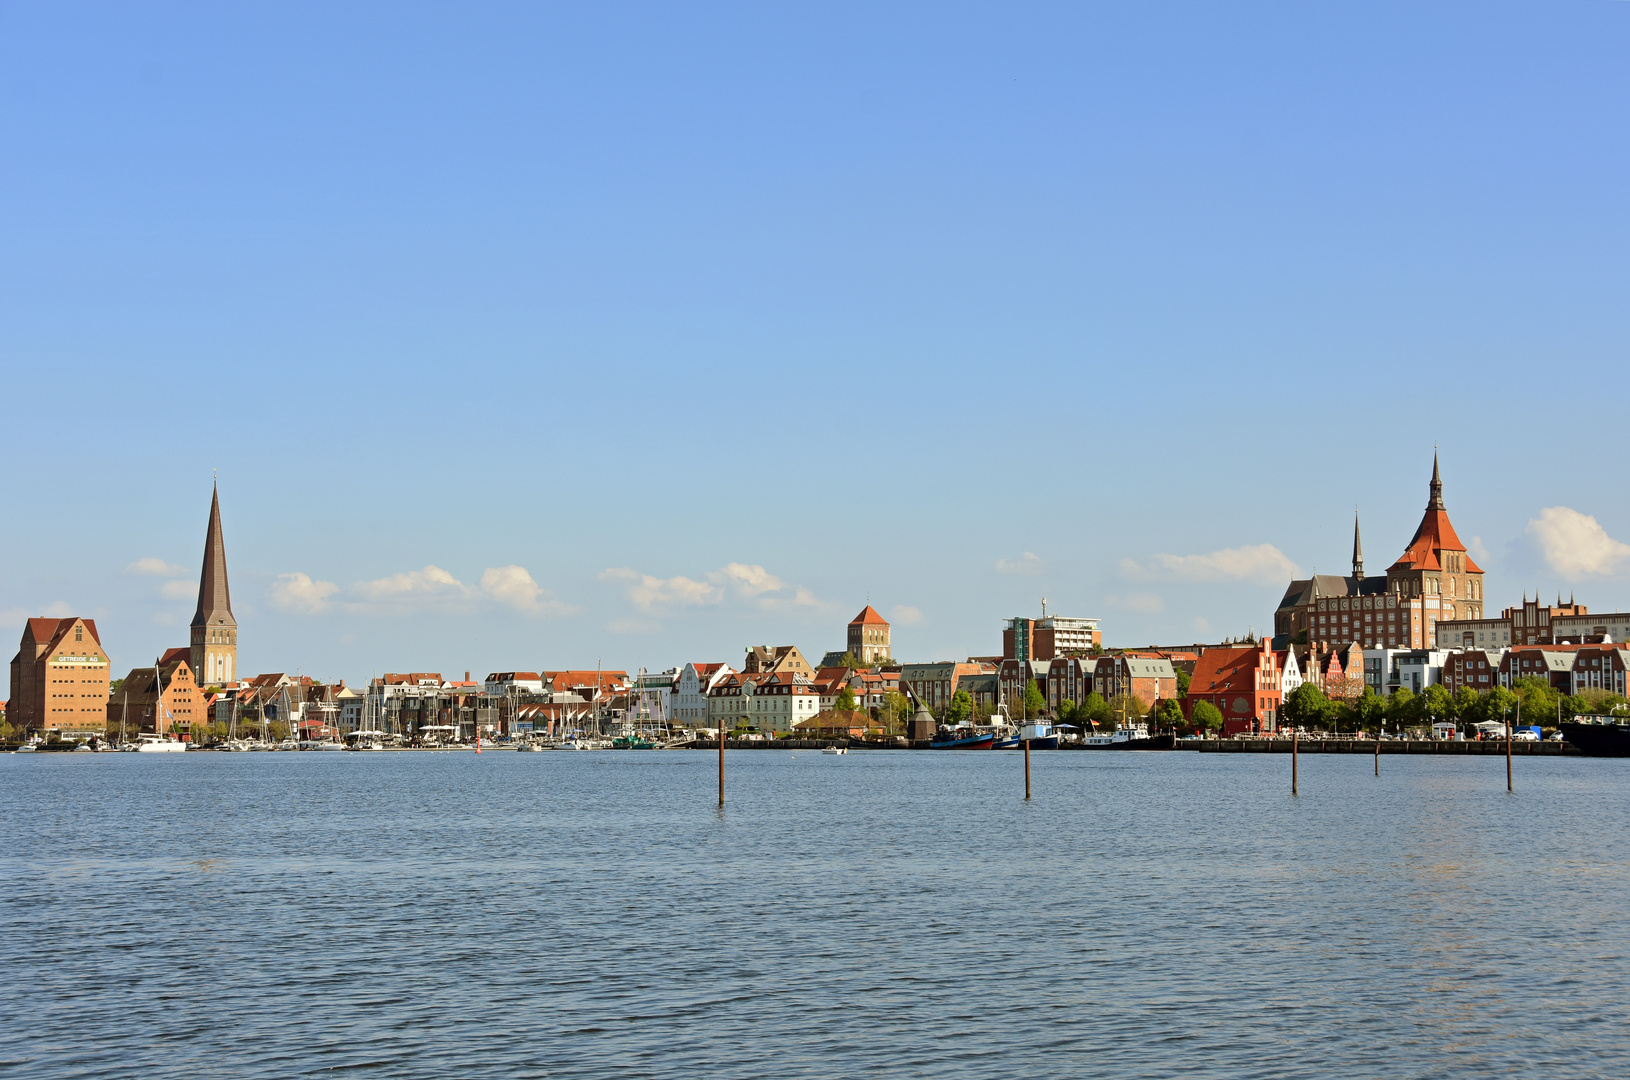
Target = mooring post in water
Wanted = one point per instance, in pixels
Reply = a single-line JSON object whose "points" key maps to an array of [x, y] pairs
{"points": [[1293, 761], [721, 761], [1378, 753], [1508, 756], [1026, 769]]}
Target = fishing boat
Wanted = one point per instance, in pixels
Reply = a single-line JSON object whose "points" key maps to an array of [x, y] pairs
{"points": [[962, 738]]}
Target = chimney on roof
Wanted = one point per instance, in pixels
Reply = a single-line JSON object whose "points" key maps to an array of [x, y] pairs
{"points": [[466, 676]]}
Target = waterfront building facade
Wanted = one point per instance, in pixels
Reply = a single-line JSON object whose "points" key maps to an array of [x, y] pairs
{"points": [[1553, 663], [213, 653], [1244, 685], [1472, 669], [1601, 667], [162, 700], [936, 683], [690, 693], [1145, 677], [59, 679]]}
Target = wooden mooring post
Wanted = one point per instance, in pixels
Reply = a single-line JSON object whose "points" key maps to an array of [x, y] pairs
{"points": [[1026, 769], [1293, 761], [1378, 753], [721, 763], [1508, 757]]}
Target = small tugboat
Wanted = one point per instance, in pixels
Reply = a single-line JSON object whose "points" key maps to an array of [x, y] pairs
{"points": [[1599, 736]]}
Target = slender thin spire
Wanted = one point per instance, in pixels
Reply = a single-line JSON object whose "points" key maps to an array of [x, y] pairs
{"points": [[214, 596], [1436, 502], [1358, 551]]}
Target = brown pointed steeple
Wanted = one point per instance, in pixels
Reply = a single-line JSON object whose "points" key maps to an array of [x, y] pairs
{"points": [[214, 641], [1436, 502], [1358, 551], [214, 596]]}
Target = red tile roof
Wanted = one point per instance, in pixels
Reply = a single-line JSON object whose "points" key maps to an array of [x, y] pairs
{"points": [[1434, 534], [869, 615], [1226, 671]]}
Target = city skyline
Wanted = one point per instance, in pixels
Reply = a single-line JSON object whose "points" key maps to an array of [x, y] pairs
{"points": [[527, 338]]}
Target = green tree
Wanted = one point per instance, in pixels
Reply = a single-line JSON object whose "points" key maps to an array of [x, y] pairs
{"points": [[1034, 703], [1307, 707], [1498, 704], [1435, 704], [1182, 683], [1573, 705], [895, 712], [1369, 711], [1093, 711], [1206, 717], [1599, 701], [961, 708], [1170, 715], [1123, 709], [1401, 709], [1469, 706], [1066, 712], [1539, 701], [846, 700]]}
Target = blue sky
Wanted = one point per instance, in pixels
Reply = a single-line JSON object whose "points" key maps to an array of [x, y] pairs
{"points": [[530, 336]]}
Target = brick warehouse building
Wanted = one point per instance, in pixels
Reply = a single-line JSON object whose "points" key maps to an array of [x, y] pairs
{"points": [[59, 679]]}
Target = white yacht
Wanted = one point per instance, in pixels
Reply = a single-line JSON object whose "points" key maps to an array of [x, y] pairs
{"points": [[149, 743]]}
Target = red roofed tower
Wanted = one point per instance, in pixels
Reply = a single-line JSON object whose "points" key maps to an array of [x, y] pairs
{"points": [[1435, 579], [869, 636]]}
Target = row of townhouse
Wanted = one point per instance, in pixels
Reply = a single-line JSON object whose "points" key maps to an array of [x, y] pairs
{"points": [[764, 700], [1146, 676], [1569, 669]]}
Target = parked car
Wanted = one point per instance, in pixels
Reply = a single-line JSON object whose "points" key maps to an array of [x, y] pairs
{"points": [[1524, 735]]}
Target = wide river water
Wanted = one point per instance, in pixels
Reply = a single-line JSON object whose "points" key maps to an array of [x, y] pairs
{"points": [[881, 913]]}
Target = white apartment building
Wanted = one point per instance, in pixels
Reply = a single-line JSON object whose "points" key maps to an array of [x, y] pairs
{"points": [[691, 690]]}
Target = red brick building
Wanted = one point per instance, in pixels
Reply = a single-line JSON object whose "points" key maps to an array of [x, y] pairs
{"points": [[59, 678], [1243, 683]]}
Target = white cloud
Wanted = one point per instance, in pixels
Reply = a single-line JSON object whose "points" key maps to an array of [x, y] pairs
{"points": [[15, 617], [431, 582], [1479, 553], [1575, 544], [906, 615], [1145, 602], [1202, 624], [647, 592], [751, 580], [1027, 564], [152, 566], [1260, 563], [297, 592], [513, 585], [177, 590], [745, 582]]}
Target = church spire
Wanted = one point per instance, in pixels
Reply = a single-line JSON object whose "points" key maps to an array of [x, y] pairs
{"points": [[1436, 502], [214, 596], [1358, 551]]}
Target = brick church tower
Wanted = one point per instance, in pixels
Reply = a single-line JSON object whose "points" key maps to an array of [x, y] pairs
{"points": [[214, 658]]}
